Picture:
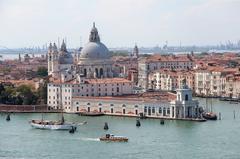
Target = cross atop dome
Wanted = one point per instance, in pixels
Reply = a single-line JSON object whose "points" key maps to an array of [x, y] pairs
{"points": [[94, 37]]}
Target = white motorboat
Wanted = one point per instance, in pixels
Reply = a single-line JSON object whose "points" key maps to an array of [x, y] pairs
{"points": [[111, 137]]}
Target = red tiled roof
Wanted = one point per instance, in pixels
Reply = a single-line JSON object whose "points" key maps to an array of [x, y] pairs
{"points": [[147, 96], [107, 80], [169, 58]]}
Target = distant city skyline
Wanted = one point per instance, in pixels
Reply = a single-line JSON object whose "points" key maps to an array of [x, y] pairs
{"points": [[121, 23]]}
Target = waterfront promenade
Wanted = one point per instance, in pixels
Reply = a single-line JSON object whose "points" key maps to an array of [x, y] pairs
{"points": [[26, 109]]}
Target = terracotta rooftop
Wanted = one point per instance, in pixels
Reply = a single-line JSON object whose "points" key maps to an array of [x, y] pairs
{"points": [[95, 81], [169, 58], [175, 72], [147, 96], [107, 80]]}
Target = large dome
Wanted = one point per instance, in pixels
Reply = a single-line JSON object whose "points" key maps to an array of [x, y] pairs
{"points": [[95, 50]]}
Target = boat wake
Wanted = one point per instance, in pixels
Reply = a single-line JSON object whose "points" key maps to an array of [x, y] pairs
{"points": [[89, 139]]}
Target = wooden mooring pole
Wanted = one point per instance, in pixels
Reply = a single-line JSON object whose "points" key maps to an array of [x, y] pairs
{"points": [[220, 117]]}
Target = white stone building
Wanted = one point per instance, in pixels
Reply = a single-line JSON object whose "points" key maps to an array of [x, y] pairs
{"points": [[153, 105], [184, 106], [158, 62], [65, 92], [211, 83], [232, 87], [170, 80]]}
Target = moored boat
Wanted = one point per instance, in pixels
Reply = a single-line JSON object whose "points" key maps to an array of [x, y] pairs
{"points": [[52, 125], [209, 116], [111, 137]]}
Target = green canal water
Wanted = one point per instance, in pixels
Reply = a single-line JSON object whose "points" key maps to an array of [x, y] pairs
{"points": [[174, 140]]}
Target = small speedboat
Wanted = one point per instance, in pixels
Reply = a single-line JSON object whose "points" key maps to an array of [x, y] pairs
{"points": [[52, 125], [111, 137], [209, 116]]}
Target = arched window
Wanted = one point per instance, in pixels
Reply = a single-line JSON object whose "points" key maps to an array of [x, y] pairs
{"points": [[186, 97], [96, 71], [164, 111], [149, 111], [168, 110], [124, 111], [145, 109], [85, 72], [160, 110], [101, 72], [136, 112], [153, 110]]}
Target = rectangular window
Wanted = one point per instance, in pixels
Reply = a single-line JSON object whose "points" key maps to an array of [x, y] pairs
{"points": [[145, 109], [153, 110], [160, 110], [168, 110]]}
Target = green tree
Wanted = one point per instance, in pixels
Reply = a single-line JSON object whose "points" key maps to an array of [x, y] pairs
{"points": [[2, 93], [42, 72], [42, 92], [25, 93]]}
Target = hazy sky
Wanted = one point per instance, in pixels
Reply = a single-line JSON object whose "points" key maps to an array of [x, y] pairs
{"points": [[25, 23]]}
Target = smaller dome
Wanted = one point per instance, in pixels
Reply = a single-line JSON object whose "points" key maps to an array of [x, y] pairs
{"points": [[95, 50], [66, 58]]}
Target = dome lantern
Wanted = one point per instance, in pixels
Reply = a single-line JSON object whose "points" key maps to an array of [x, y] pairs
{"points": [[94, 37]]}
